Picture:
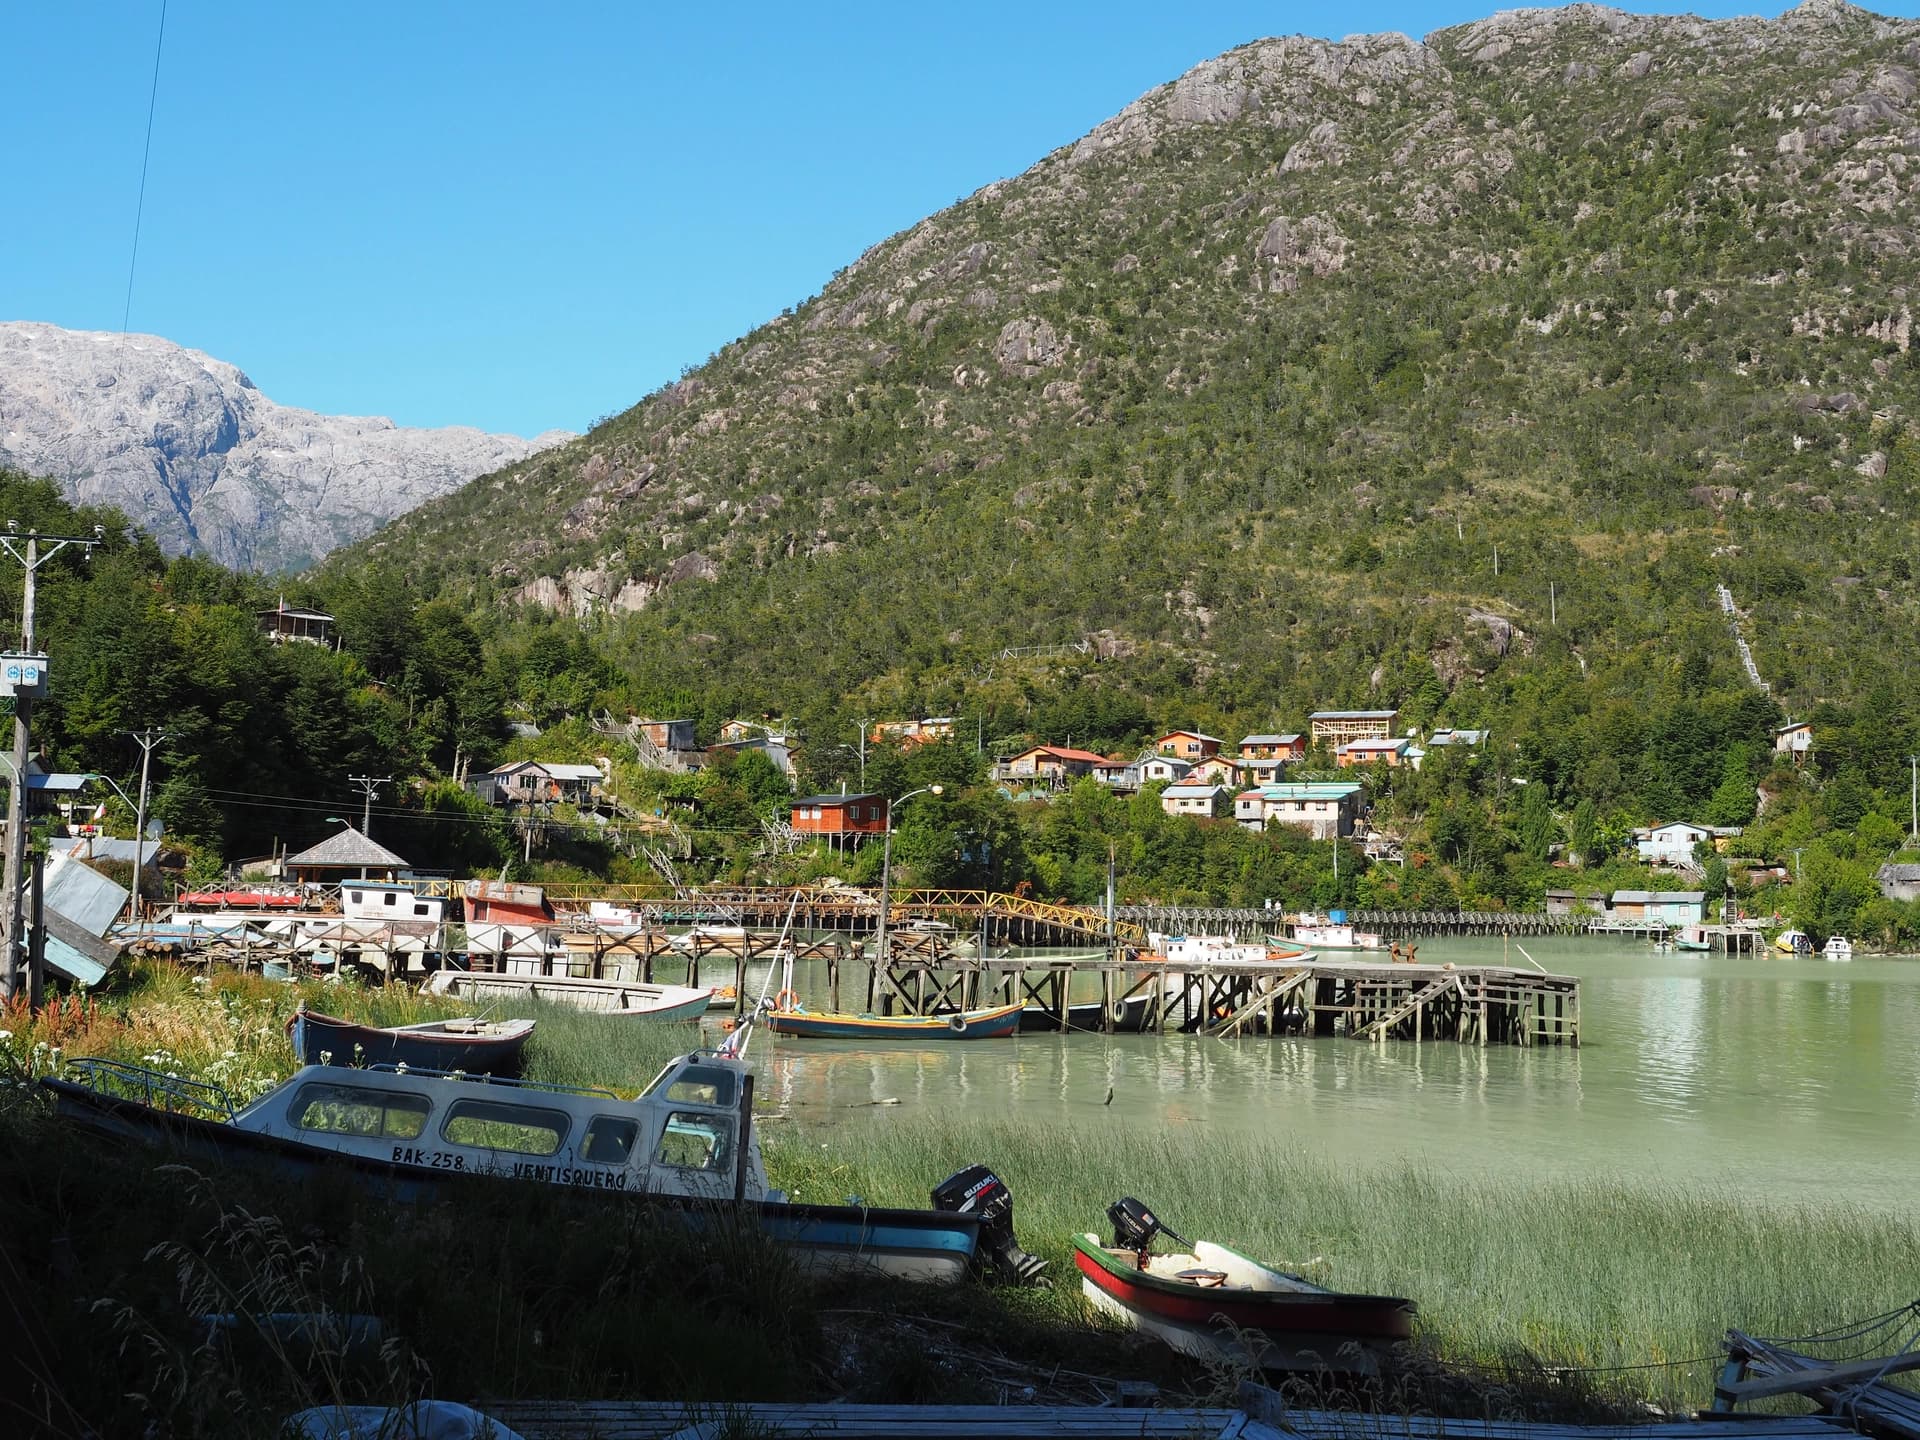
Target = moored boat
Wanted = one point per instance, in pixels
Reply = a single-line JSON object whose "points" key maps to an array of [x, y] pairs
{"points": [[1793, 942], [1331, 932], [622, 999], [687, 1142], [993, 1023], [1692, 937], [1130, 1016], [1215, 1303], [481, 1047], [1838, 947]]}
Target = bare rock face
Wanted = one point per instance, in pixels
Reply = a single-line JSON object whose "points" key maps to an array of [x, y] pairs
{"points": [[1029, 346], [197, 456]]}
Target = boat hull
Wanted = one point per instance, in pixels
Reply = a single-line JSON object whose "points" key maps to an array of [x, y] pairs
{"points": [[993, 1024], [1290, 1328], [425, 1047], [617, 999], [923, 1246], [1130, 1017]]}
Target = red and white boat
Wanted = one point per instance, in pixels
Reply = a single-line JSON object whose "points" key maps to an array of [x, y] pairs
{"points": [[1216, 1304]]}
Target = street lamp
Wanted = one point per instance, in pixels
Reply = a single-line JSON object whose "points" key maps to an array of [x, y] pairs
{"points": [[886, 869]]}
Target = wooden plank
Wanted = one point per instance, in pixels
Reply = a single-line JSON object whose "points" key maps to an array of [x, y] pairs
{"points": [[1817, 1376]]}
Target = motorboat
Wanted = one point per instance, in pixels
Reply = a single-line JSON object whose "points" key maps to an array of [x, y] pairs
{"points": [[687, 1143], [1793, 942], [1838, 947], [462, 1043], [620, 999], [1214, 1303], [1130, 1015], [1202, 952], [1331, 932]]}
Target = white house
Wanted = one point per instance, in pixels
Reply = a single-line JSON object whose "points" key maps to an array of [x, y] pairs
{"points": [[1672, 843], [1795, 739], [1164, 767], [1324, 810], [1205, 801]]}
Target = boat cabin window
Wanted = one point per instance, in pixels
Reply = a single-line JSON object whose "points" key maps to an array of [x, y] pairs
{"points": [[695, 1142], [419, 909], [608, 1141], [391, 899], [355, 896], [696, 1085], [352, 1110], [500, 1125]]}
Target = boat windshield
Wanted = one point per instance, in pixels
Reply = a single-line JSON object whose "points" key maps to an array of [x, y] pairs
{"points": [[695, 1084]]}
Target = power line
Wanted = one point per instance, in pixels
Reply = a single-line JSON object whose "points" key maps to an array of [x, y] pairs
{"points": [[140, 208]]}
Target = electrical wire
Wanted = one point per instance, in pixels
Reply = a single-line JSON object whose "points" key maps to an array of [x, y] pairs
{"points": [[146, 152]]}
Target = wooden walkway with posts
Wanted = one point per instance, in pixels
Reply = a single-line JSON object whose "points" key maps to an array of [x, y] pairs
{"points": [[1470, 1004], [1246, 922]]}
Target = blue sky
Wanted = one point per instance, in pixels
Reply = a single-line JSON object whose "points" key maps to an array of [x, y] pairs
{"points": [[528, 216]]}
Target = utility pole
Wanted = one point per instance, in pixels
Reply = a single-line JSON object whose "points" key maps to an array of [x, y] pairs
{"points": [[147, 740], [24, 676], [863, 754], [369, 787], [1553, 605], [1913, 766]]}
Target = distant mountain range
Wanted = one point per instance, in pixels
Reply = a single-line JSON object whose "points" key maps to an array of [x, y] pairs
{"points": [[191, 450]]}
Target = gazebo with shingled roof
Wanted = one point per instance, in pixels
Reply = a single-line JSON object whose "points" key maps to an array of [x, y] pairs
{"points": [[329, 862]]}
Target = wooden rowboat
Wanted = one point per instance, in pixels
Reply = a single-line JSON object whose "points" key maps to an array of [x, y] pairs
{"points": [[475, 1047], [992, 1024], [1217, 1304], [621, 999]]}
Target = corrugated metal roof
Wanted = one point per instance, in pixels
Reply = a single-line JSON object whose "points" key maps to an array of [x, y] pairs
{"points": [[85, 896], [1309, 790], [1659, 897], [102, 847], [1353, 714]]}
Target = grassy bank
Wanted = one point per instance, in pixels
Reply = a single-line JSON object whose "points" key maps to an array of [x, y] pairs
{"points": [[525, 1292]]}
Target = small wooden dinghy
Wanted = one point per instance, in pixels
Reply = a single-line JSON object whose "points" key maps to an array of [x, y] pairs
{"points": [[1214, 1303], [991, 1024], [475, 1047], [621, 999]]}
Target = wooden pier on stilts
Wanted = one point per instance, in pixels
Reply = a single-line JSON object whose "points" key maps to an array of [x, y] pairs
{"points": [[1471, 1004]]}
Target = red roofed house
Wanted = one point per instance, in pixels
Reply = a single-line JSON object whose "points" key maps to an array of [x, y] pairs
{"points": [[843, 819], [1057, 763]]}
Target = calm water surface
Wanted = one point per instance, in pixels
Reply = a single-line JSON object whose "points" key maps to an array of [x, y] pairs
{"points": [[1795, 1079]]}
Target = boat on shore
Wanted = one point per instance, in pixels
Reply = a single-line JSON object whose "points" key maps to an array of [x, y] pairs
{"points": [[620, 999], [1692, 937], [687, 1143], [994, 1023], [477, 1047], [1793, 942], [1216, 1304]]}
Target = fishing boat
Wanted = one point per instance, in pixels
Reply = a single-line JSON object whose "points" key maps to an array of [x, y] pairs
{"points": [[789, 1018], [1692, 937], [1214, 1303], [1330, 932], [477, 1047], [1793, 942], [623, 999], [1838, 947], [716, 936], [1200, 952], [687, 1142]]}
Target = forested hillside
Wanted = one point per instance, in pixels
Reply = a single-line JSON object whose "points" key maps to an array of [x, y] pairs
{"points": [[1451, 375]]}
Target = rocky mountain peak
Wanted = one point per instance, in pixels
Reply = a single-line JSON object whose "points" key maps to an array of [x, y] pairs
{"points": [[192, 451]]}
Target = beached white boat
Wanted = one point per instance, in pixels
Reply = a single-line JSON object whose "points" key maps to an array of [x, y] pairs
{"points": [[688, 1141], [622, 999]]}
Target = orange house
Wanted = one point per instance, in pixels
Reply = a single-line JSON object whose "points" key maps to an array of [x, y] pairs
{"points": [[1274, 747], [841, 817], [1187, 745]]}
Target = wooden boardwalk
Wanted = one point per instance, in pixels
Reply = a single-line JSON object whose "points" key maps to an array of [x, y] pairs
{"points": [[1371, 1000], [659, 1420]]}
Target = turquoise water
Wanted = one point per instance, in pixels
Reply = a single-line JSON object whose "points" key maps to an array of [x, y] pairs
{"points": [[1795, 1079]]}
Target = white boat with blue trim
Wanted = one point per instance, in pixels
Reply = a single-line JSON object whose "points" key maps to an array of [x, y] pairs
{"points": [[686, 1142]]}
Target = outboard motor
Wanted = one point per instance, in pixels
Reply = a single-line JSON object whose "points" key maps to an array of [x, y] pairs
{"points": [[1134, 1227], [976, 1190]]}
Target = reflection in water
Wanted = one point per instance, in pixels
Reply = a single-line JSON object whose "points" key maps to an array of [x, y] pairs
{"points": [[1769, 1076]]}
